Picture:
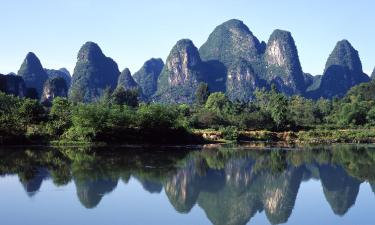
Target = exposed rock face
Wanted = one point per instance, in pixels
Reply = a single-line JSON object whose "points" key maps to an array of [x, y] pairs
{"points": [[94, 72], [147, 76], [33, 73], [126, 80], [12, 84], [242, 81], [54, 87], [277, 62], [63, 73], [308, 78], [230, 41], [343, 71], [313, 84], [282, 63], [181, 74], [373, 74]]}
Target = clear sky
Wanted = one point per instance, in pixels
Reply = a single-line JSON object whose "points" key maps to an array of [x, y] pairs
{"points": [[131, 32]]}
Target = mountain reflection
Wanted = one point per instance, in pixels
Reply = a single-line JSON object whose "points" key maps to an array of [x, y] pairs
{"points": [[230, 184]]}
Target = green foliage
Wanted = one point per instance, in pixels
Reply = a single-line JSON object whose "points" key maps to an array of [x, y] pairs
{"points": [[59, 116], [19, 117], [88, 120], [31, 111], [276, 104], [362, 92], [301, 111], [219, 103], [118, 117], [371, 116], [230, 133], [157, 117], [204, 118], [352, 114], [10, 119], [125, 97]]}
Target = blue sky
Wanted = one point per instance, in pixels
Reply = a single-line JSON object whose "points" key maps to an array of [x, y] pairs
{"points": [[131, 32]]}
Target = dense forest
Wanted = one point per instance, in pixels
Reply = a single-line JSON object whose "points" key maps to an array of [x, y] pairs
{"points": [[119, 117]]}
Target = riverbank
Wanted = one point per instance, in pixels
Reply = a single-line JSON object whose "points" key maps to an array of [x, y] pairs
{"points": [[210, 136], [316, 136]]}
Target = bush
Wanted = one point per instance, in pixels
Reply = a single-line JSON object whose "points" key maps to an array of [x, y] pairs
{"points": [[207, 119], [157, 116], [230, 133]]}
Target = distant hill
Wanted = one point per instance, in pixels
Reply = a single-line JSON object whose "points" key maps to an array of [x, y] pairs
{"points": [[232, 60]]}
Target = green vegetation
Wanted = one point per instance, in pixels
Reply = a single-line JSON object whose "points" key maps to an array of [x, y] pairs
{"points": [[119, 117]]}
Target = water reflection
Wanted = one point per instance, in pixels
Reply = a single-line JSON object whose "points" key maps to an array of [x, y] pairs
{"points": [[230, 184]]}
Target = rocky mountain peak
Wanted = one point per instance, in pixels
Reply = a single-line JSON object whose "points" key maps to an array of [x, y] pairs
{"points": [[90, 51], [182, 62], [231, 40], [373, 74], [93, 73], [181, 74], [282, 63], [147, 76], [66, 71], [33, 73], [343, 71], [126, 80], [279, 48], [63, 73], [345, 55]]}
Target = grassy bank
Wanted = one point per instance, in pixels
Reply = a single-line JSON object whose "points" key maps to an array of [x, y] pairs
{"points": [[316, 136]]}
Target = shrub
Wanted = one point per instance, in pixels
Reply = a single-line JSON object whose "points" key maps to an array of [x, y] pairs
{"points": [[230, 133]]}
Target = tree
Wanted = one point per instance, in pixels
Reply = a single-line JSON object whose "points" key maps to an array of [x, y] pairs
{"points": [[157, 116], [88, 120], [274, 103], [352, 114], [202, 93], [125, 97], [60, 116], [371, 116], [322, 109], [301, 111], [106, 97], [10, 120], [31, 112], [219, 103]]}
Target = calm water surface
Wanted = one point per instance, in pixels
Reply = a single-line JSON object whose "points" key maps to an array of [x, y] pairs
{"points": [[210, 185]]}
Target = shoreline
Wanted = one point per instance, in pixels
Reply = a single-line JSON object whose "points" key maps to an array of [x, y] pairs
{"points": [[213, 137]]}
